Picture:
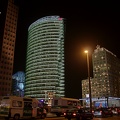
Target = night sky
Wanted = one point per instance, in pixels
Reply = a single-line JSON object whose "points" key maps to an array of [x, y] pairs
{"points": [[87, 25]]}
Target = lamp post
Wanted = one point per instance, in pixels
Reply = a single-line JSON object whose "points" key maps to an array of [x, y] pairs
{"points": [[45, 96], [88, 66]]}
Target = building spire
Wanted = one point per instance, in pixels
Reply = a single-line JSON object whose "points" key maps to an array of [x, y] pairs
{"points": [[98, 46]]}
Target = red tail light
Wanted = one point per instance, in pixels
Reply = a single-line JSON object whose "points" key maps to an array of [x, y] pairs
{"points": [[64, 113], [101, 111], [74, 114]]}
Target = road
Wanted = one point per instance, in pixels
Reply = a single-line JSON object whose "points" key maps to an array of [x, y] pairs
{"points": [[54, 117], [108, 118]]}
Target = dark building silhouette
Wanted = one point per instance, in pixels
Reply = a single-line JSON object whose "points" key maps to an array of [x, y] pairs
{"points": [[8, 27]]}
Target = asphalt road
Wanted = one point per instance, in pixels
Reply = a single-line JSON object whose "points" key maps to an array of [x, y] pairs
{"points": [[108, 118], [54, 117]]}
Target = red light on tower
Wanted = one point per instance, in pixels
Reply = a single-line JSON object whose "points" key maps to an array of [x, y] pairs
{"points": [[59, 18]]}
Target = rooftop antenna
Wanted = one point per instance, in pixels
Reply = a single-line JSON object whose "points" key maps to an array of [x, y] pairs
{"points": [[97, 44]]}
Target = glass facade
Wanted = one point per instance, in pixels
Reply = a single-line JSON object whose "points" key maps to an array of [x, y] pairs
{"points": [[45, 58]]}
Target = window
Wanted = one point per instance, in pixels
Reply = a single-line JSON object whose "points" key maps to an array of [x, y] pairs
{"points": [[28, 104], [16, 103]]}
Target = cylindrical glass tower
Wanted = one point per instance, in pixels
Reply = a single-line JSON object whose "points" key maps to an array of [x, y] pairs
{"points": [[45, 58]]}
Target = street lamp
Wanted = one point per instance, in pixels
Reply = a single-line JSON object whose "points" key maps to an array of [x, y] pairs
{"points": [[88, 66], [45, 96]]}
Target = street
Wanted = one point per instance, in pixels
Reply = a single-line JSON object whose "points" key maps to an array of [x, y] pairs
{"points": [[108, 118], [54, 117]]}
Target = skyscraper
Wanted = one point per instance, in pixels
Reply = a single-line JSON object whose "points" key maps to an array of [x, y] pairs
{"points": [[106, 70], [8, 27], [45, 58], [106, 75]]}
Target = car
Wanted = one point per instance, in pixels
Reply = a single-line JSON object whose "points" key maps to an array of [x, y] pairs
{"points": [[71, 113], [102, 112], [42, 113], [118, 111], [115, 111], [85, 114], [79, 114]]}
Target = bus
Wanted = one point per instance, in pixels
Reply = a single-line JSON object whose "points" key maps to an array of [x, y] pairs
{"points": [[61, 104], [19, 107]]}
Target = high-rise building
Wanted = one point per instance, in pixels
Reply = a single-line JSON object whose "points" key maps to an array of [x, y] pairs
{"points": [[45, 58], [106, 69], [8, 27], [106, 75]]}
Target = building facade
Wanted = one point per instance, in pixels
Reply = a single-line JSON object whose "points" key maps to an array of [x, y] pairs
{"points": [[45, 58], [18, 83], [106, 75], [8, 27]]}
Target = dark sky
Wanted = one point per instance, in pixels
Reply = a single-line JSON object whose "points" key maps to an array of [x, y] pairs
{"points": [[87, 24]]}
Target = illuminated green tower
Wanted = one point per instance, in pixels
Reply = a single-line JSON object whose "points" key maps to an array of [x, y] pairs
{"points": [[45, 58]]}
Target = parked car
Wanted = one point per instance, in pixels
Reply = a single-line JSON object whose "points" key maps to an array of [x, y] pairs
{"points": [[102, 112], [71, 113], [114, 110], [79, 114], [42, 113], [118, 111]]}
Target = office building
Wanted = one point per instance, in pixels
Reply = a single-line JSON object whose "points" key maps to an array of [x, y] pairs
{"points": [[45, 58], [8, 27], [106, 75]]}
